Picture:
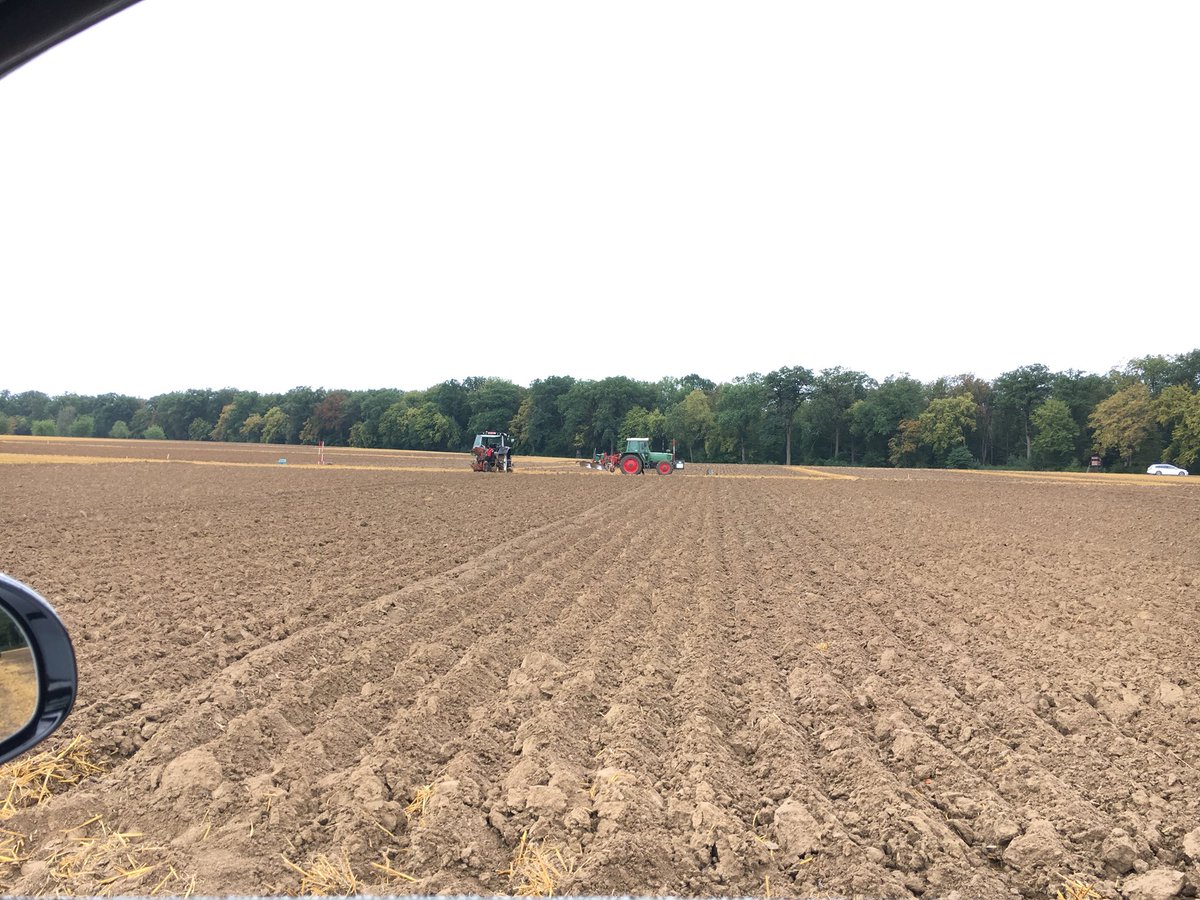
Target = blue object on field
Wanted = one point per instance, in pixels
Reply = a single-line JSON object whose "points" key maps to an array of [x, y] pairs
{"points": [[283, 462]]}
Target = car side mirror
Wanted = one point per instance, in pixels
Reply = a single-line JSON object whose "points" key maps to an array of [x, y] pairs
{"points": [[38, 679]]}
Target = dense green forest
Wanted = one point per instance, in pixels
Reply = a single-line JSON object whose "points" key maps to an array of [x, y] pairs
{"points": [[1029, 417]]}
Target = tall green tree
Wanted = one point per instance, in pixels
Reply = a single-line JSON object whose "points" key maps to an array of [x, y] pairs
{"points": [[828, 408], [1179, 408], [422, 427], [545, 422], [518, 428], [984, 398], [360, 437], [71, 405], [233, 415], [905, 447], [298, 405], [945, 422], [642, 422], [741, 409], [83, 426], [30, 404], [274, 426], [1186, 369], [65, 419], [613, 398], [451, 398], [199, 430], [174, 412], [787, 388], [1082, 392], [141, 420], [1021, 391], [493, 404], [252, 428], [593, 411], [1055, 432], [876, 419], [1155, 372], [673, 390], [1123, 422], [111, 408], [371, 407], [691, 422]]}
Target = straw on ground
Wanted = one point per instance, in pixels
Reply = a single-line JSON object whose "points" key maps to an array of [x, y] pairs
{"points": [[322, 876], [1075, 888], [105, 861], [419, 806], [32, 780], [11, 846], [537, 869]]}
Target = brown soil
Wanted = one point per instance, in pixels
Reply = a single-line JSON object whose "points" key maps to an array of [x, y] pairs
{"points": [[898, 683]]}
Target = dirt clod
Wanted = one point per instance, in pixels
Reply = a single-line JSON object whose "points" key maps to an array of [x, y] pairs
{"points": [[1156, 884]]}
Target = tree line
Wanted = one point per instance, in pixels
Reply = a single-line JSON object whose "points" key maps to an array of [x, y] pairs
{"points": [[1030, 417]]}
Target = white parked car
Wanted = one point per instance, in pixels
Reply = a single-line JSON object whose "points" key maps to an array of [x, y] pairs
{"points": [[1165, 469]]}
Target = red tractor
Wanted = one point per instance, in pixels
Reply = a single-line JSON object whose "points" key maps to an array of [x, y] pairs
{"points": [[492, 452]]}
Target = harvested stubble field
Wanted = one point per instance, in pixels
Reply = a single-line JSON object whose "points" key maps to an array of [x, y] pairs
{"points": [[393, 674]]}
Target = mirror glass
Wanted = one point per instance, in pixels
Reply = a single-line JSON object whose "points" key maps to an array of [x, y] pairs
{"points": [[18, 678]]}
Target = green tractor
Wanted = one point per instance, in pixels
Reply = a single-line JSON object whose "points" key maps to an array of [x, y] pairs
{"points": [[637, 457]]}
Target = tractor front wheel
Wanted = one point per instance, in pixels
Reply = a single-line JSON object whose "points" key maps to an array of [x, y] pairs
{"points": [[664, 468], [631, 465]]}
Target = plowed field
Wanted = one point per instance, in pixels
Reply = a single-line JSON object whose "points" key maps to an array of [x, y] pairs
{"points": [[755, 682]]}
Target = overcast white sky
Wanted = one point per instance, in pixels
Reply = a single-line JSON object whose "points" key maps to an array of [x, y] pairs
{"points": [[266, 193]]}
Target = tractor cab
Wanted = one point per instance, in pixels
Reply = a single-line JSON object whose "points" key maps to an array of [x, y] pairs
{"points": [[640, 446], [493, 439]]}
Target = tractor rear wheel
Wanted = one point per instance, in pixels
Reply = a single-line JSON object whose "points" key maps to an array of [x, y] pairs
{"points": [[664, 468], [631, 465]]}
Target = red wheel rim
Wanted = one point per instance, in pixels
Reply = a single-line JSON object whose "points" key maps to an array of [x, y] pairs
{"points": [[664, 468], [631, 465]]}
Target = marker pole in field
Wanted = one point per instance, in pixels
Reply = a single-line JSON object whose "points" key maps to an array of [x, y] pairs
{"points": [[321, 453]]}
